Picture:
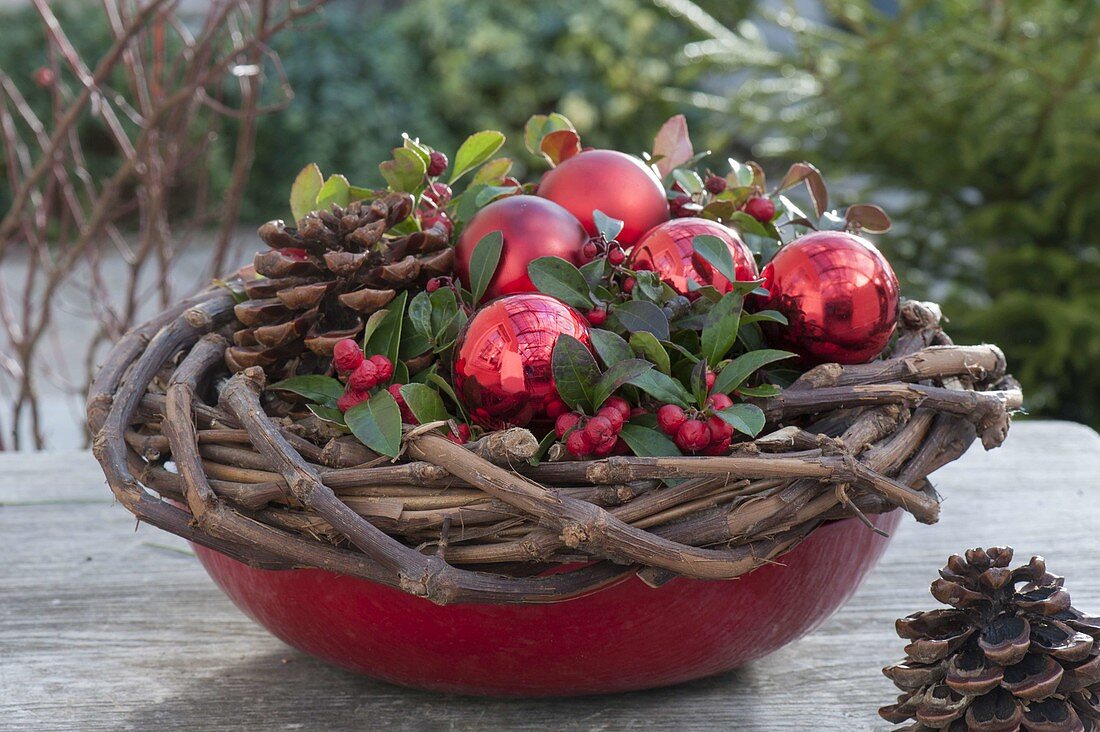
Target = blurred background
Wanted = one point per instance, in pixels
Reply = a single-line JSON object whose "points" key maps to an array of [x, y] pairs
{"points": [[144, 140]]}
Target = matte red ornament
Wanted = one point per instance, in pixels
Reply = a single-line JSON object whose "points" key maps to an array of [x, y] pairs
{"points": [[669, 250], [620, 185], [550, 650], [839, 294], [532, 227], [502, 367]]}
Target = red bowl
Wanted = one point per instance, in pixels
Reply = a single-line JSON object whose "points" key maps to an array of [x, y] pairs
{"points": [[622, 638]]}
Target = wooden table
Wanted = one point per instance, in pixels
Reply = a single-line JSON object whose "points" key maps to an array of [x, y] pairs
{"points": [[106, 628]]}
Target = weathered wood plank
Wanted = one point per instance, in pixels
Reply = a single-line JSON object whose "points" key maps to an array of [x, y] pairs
{"points": [[105, 628]]}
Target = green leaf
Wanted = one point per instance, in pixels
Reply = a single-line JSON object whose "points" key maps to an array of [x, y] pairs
{"points": [[321, 389], [716, 253], [748, 419], [664, 389], [742, 174], [575, 373], [418, 148], [648, 442], [741, 368], [488, 194], [493, 172], [689, 180], [610, 347], [420, 314], [425, 403], [639, 315], [444, 312], [484, 262], [303, 194], [386, 339], [608, 227], [477, 148], [559, 145], [595, 271], [764, 316], [558, 278], [405, 172], [620, 372], [335, 190], [440, 383], [764, 391], [332, 415], [648, 347], [358, 193], [377, 423], [721, 331], [541, 125], [748, 225], [698, 381]]}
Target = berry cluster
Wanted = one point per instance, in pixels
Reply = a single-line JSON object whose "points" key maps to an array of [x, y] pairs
{"points": [[700, 432], [360, 374], [597, 435]]}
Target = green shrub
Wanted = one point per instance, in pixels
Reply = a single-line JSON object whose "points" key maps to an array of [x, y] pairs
{"points": [[986, 117]]}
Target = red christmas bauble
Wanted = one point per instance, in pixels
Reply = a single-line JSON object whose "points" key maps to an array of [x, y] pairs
{"points": [[502, 367], [620, 185], [668, 249], [533, 227], [839, 294]]}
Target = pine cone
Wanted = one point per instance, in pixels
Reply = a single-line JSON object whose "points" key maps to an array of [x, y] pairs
{"points": [[320, 282], [1011, 654]]}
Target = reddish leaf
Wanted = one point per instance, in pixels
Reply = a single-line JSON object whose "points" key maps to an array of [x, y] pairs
{"points": [[868, 217], [800, 172], [758, 179], [560, 145], [672, 146]]}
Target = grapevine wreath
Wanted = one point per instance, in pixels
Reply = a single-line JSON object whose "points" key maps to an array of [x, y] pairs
{"points": [[461, 382]]}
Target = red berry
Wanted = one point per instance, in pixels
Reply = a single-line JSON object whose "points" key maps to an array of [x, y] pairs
{"points": [[718, 402], [350, 398], [590, 250], [628, 285], [365, 376], [760, 208], [718, 448], [621, 448], [692, 436], [598, 429], [719, 430], [597, 316], [715, 184], [384, 367], [606, 447], [346, 355], [406, 414], [680, 207], [294, 253], [577, 444], [434, 284], [556, 408], [638, 412], [438, 194], [437, 163], [566, 422], [669, 418], [711, 376], [44, 77], [437, 216], [460, 436], [616, 256], [614, 416], [620, 404]]}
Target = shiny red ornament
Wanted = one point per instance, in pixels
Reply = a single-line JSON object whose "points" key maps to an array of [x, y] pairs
{"points": [[502, 367], [669, 250], [531, 649], [620, 185], [839, 294], [532, 227]]}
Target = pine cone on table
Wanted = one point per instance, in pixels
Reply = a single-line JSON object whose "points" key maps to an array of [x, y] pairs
{"points": [[319, 282], [1011, 653]]}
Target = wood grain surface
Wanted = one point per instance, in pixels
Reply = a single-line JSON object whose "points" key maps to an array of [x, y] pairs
{"points": [[106, 628]]}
